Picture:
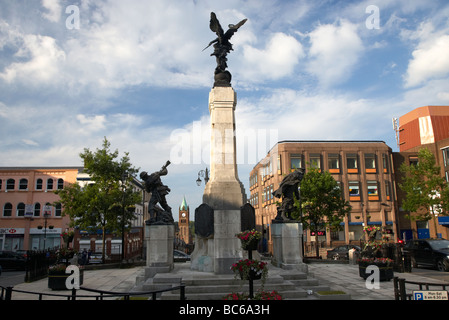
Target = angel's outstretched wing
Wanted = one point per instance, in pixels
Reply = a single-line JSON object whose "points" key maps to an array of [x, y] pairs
{"points": [[233, 29], [215, 25]]}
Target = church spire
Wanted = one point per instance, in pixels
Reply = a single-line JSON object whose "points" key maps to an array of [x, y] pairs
{"points": [[184, 206]]}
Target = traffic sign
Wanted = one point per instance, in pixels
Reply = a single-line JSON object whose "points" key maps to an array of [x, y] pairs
{"points": [[430, 295]]}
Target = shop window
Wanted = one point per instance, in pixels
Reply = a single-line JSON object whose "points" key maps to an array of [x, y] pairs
{"points": [[23, 184], [370, 163], [373, 190], [351, 163], [354, 191], [7, 209], [333, 162], [10, 184]]}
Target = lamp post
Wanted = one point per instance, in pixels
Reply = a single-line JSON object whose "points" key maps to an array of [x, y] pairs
{"points": [[124, 177], [202, 174]]}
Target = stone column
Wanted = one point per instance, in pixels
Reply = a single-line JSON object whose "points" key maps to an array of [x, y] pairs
{"points": [[224, 192]]}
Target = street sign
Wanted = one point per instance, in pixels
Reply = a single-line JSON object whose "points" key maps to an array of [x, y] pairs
{"points": [[430, 295]]}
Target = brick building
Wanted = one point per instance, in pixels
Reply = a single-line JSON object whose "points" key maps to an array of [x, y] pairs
{"points": [[363, 170]]}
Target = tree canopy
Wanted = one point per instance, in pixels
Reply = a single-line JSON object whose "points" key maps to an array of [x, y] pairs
{"points": [[107, 202], [426, 191]]}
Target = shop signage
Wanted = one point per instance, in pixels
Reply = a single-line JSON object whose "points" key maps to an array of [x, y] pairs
{"points": [[12, 230]]}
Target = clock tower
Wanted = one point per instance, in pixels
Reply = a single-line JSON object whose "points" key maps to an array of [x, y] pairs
{"points": [[184, 218]]}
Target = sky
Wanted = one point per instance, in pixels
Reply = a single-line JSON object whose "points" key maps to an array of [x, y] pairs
{"points": [[73, 72]]}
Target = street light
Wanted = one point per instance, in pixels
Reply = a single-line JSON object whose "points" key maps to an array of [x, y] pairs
{"points": [[202, 174]]}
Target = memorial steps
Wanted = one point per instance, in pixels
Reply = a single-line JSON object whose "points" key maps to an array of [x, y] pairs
{"points": [[291, 284]]}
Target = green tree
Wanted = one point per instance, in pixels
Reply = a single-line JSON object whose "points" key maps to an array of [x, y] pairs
{"points": [[321, 204], [426, 191], [108, 202]]}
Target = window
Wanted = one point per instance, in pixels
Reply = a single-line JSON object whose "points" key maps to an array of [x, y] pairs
{"points": [[279, 165], [23, 184], [37, 209], [1, 184], [445, 156], [413, 161], [370, 163], [10, 184], [7, 209], [373, 193], [39, 184], [351, 163], [58, 210], [385, 162], [354, 191], [60, 184], [50, 184], [334, 162], [388, 189], [295, 161], [315, 161], [21, 209]]}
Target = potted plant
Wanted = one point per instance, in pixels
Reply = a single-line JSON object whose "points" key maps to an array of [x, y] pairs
{"points": [[57, 276], [249, 239], [250, 269], [372, 254], [260, 295]]}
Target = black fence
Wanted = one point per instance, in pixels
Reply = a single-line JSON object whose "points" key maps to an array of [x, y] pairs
{"points": [[8, 293], [38, 263], [400, 289]]}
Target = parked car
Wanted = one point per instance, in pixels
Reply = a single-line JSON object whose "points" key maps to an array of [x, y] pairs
{"points": [[341, 252], [179, 256], [12, 260], [429, 252]]}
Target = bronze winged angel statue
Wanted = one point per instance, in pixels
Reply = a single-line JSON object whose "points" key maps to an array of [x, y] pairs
{"points": [[222, 47]]}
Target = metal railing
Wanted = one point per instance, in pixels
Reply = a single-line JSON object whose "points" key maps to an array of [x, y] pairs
{"points": [[400, 291], [7, 293]]}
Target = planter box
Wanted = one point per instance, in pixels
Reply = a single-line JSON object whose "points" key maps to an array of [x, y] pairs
{"points": [[386, 273], [56, 281]]}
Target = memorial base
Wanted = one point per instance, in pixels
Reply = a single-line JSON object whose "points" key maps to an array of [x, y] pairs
{"points": [[287, 246], [159, 239]]}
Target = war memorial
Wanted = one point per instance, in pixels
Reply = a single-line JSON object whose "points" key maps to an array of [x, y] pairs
{"points": [[224, 212]]}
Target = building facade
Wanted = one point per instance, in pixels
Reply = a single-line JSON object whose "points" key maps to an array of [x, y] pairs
{"points": [[424, 127], [363, 169], [28, 221]]}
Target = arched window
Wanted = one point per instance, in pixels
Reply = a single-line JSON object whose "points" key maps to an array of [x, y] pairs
{"points": [[23, 184], [7, 209], [21, 209], [39, 183], [37, 209], [49, 184], [10, 183], [60, 184]]}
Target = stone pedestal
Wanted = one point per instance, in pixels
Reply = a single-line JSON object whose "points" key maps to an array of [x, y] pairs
{"points": [[159, 240], [287, 244]]}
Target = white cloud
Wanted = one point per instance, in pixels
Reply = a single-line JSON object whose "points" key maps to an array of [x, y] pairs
{"points": [[276, 60], [53, 7], [334, 52], [430, 57]]}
